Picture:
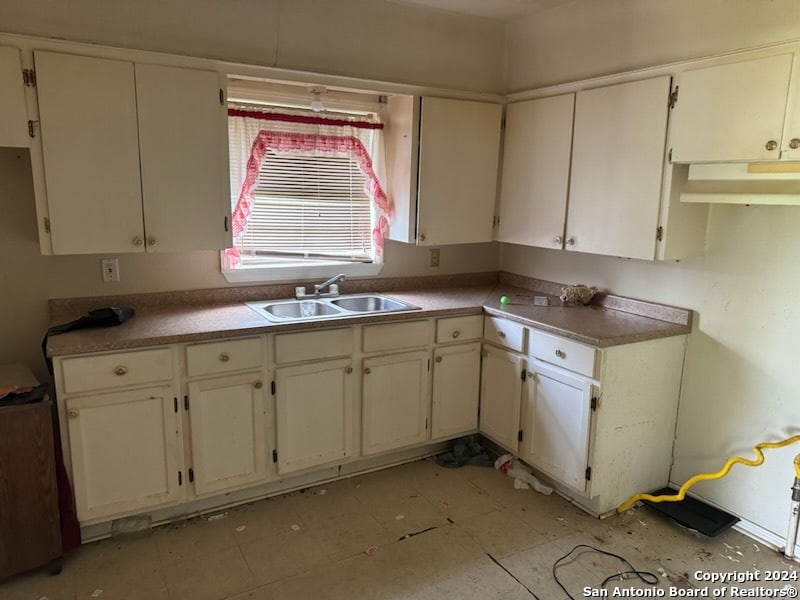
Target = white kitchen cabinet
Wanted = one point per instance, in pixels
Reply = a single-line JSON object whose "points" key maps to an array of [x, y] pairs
{"points": [[456, 390], [617, 167], [125, 452], [134, 157], [228, 425], [535, 179], [447, 195], [394, 401], [13, 114], [501, 390], [740, 111], [556, 416], [313, 414]]}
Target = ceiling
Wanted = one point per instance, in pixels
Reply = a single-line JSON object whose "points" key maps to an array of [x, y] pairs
{"points": [[504, 10]]}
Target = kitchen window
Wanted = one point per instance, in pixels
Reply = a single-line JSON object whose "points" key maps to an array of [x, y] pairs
{"points": [[306, 191]]}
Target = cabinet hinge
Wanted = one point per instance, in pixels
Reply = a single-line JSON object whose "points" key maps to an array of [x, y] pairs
{"points": [[588, 473], [176, 403], [673, 97], [47, 224], [426, 424], [186, 403], [274, 456], [29, 77], [429, 364], [522, 375], [221, 97], [191, 475], [519, 435], [32, 128], [503, 122], [659, 233], [180, 478], [594, 403], [669, 156], [225, 223], [272, 387]]}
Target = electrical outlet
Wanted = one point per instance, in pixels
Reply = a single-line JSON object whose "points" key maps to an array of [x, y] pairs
{"points": [[434, 255], [110, 268]]}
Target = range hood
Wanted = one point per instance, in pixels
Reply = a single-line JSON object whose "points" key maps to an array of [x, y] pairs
{"points": [[776, 183]]}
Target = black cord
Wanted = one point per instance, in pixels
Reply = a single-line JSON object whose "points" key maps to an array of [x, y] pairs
{"points": [[645, 576]]}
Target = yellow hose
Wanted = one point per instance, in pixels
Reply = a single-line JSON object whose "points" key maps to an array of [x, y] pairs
{"points": [[719, 474]]}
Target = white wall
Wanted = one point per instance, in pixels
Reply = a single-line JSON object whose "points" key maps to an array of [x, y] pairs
{"points": [[588, 38], [742, 378], [361, 38]]}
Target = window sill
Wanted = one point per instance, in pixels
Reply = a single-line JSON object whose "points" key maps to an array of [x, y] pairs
{"points": [[299, 272]]}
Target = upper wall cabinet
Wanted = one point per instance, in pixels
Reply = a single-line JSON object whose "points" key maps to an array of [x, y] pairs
{"points": [[533, 196], [443, 179], [13, 116], [134, 157], [741, 111]]}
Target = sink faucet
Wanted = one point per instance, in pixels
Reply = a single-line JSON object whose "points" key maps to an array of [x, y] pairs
{"points": [[318, 287]]}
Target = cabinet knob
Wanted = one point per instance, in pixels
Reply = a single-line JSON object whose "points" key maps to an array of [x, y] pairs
{"points": [[456, 333], [570, 241], [561, 354], [438, 359], [152, 242], [137, 241], [120, 370], [530, 375], [501, 335], [72, 413], [421, 237], [348, 370], [224, 357], [367, 371], [258, 385], [794, 143], [558, 240], [771, 145]]}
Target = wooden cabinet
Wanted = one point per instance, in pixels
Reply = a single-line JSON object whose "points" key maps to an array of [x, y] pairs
{"points": [[394, 401], [741, 111], [501, 390], [30, 530], [125, 452], [443, 172], [13, 114], [456, 390], [535, 180], [134, 157]]}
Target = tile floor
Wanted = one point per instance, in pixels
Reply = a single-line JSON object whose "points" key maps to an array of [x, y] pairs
{"points": [[415, 531]]}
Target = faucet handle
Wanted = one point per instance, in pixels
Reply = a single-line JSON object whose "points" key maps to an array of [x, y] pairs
{"points": [[299, 291], [334, 289]]}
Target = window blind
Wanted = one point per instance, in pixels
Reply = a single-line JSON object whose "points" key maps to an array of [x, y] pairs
{"points": [[309, 206]]}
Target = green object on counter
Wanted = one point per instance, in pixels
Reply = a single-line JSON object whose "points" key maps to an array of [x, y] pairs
{"points": [[505, 300]]}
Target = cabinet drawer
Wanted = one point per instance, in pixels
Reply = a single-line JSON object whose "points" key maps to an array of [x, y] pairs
{"points": [[563, 352], [458, 328], [121, 369], [311, 345], [502, 332], [223, 356], [396, 336]]}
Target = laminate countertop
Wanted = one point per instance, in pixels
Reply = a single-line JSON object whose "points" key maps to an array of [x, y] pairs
{"points": [[188, 317]]}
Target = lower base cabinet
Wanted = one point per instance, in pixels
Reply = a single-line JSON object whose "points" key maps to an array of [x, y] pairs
{"points": [[455, 391], [501, 389]]}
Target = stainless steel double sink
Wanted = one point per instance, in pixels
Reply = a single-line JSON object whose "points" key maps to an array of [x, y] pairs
{"points": [[312, 309]]}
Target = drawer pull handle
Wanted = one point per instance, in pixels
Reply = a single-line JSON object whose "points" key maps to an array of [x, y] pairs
{"points": [[501, 335], [120, 370], [348, 370], [456, 333], [367, 371], [224, 357], [561, 354], [438, 359], [72, 413], [258, 385]]}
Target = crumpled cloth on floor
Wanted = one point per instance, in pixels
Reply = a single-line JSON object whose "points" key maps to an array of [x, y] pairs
{"points": [[466, 451]]}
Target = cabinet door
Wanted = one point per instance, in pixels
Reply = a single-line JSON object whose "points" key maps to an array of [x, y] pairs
{"points": [[501, 388], [790, 148], [533, 196], [458, 156], [124, 449], [730, 112], [456, 388], [314, 414], [183, 139], [13, 115], [228, 432], [556, 420], [90, 146], [617, 166], [394, 401]]}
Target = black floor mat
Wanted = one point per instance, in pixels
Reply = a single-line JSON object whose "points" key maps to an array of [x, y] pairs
{"points": [[694, 514]]}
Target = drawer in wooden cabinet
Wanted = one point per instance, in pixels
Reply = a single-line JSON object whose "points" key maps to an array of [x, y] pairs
{"points": [[502, 332], [456, 329], [312, 345], [396, 336], [563, 352], [120, 369], [224, 356]]}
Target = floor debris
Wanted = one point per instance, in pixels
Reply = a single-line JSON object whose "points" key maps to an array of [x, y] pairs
{"points": [[97, 593], [371, 550], [217, 517], [295, 527], [241, 528]]}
